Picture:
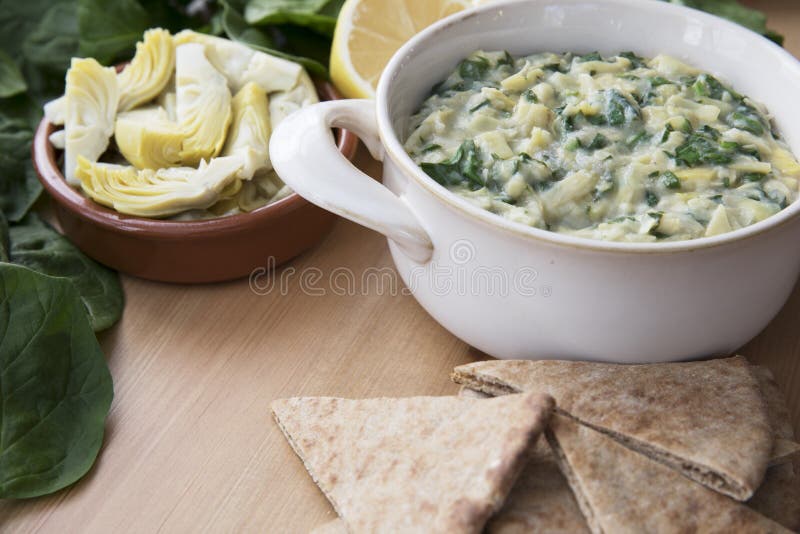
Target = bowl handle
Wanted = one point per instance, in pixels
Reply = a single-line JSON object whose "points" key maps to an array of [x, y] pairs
{"points": [[304, 154]]}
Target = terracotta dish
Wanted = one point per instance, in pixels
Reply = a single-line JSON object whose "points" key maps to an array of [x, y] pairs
{"points": [[186, 251]]}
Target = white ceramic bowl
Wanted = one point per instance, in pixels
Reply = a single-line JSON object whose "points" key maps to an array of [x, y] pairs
{"points": [[519, 292]]}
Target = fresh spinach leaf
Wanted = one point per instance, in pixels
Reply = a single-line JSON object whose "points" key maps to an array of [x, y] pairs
{"points": [[11, 80], [53, 41], [4, 245], [316, 15], [19, 186], [237, 29], [36, 245], [734, 11], [109, 28], [55, 386]]}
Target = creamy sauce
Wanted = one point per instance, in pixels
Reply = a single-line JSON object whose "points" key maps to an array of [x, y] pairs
{"points": [[617, 148]]}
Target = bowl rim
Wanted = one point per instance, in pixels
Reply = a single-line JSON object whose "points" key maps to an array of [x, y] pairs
{"points": [[422, 40], [43, 155]]}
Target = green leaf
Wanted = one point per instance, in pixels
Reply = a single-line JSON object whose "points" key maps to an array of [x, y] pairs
{"points": [[110, 28], [55, 386], [463, 168], [3, 238], [19, 186], [236, 28], [36, 245], [734, 11], [11, 80], [316, 15], [53, 41]]}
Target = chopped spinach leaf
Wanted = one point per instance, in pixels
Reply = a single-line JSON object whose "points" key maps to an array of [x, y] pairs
{"points": [[479, 106], [670, 180], [701, 148], [619, 110], [464, 167], [636, 61], [592, 56], [599, 141], [474, 69]]}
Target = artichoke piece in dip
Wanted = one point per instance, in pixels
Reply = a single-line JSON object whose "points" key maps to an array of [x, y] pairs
{"points": [[618, 148], [91, 98]]}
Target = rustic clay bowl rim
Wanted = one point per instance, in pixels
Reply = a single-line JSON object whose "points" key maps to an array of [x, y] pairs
{"points": [[44, 161]]}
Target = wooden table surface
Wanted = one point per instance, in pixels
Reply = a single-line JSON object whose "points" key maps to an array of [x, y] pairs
{"points": [[190, 443]]}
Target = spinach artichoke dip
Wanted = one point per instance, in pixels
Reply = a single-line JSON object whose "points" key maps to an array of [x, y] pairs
{"points": [[617, 148]]}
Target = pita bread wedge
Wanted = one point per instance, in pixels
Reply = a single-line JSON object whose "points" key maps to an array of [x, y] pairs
{"points": [[783, 451], [620, 490], [779, 495], [432, 464], [541, 500], [706, 419]]}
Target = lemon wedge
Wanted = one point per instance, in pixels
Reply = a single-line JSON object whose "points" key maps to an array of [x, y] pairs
{"points": [[368, 32]]}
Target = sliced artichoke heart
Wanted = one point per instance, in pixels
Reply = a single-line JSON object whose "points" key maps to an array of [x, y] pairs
{"points": [[250, 130], [203, 105], [157, 193], [55, 111], [241, 64], [92, 95], [148, 139], [149, 71], [302, 94]]}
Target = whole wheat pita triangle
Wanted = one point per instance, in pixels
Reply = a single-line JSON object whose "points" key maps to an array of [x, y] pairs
{"points": [[541, 499], [433, 464], [706, 419], [620, 490], [778, 497]]}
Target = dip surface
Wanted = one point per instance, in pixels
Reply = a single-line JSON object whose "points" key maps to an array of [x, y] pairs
{"points": [[617, 148]]}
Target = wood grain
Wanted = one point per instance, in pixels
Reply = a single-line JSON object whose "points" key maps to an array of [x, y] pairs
{"points": [[191, 445]]}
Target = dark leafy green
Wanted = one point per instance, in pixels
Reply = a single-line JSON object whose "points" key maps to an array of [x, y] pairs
{"points": [[109, 28], [53, 41], [55, 387], [670, 180], [316, 49], [4, 244], [316, 15], [707, 85], [463, 167], [11, 80], [702, 147], [619, 110], [36, 245], [736, 12], [19, 186], [474, 69]]}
